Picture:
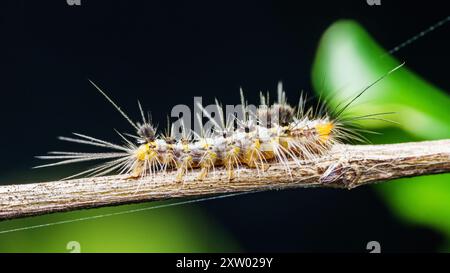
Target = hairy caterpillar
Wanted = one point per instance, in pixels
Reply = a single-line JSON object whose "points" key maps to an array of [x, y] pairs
{"points": [[274, 132]]}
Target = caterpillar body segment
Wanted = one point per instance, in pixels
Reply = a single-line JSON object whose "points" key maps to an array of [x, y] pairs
{"points": [[253, 149]]}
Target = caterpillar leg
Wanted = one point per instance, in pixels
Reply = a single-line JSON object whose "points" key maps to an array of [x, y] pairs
{"points": [[168, 162], [232, 161], [262, 166], [207, 162], [230, 172], [137, 171], [183, 168], [203, 173], [255, 158]]}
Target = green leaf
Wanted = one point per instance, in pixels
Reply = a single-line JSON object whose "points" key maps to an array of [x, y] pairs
{"points": [[348, 59]]}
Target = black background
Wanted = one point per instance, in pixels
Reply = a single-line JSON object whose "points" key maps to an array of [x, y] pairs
{"points": [[167, 52]]}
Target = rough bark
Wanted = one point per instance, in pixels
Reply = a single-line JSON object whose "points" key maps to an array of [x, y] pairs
{"points": [[346, 166]]}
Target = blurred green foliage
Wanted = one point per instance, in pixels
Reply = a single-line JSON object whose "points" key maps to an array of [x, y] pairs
{"points": [[183, 228], [349, 59]]}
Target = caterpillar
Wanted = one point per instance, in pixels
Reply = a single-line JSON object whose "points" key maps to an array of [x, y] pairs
{"points": [[271, 133]]}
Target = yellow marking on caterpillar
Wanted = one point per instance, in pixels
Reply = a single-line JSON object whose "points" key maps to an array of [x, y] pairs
{"points": [[284, 142], [186, 148], [144, 152], [250, 157], [324, 130], [267, 149]]}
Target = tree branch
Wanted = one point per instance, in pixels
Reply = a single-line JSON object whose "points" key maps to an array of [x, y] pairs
{"points": [[346, 166]]}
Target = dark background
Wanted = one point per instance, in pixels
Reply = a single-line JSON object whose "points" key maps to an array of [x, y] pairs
{"points": [[167, 52]]}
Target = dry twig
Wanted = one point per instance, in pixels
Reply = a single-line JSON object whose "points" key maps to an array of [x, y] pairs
{"points": [[346, 166]]}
